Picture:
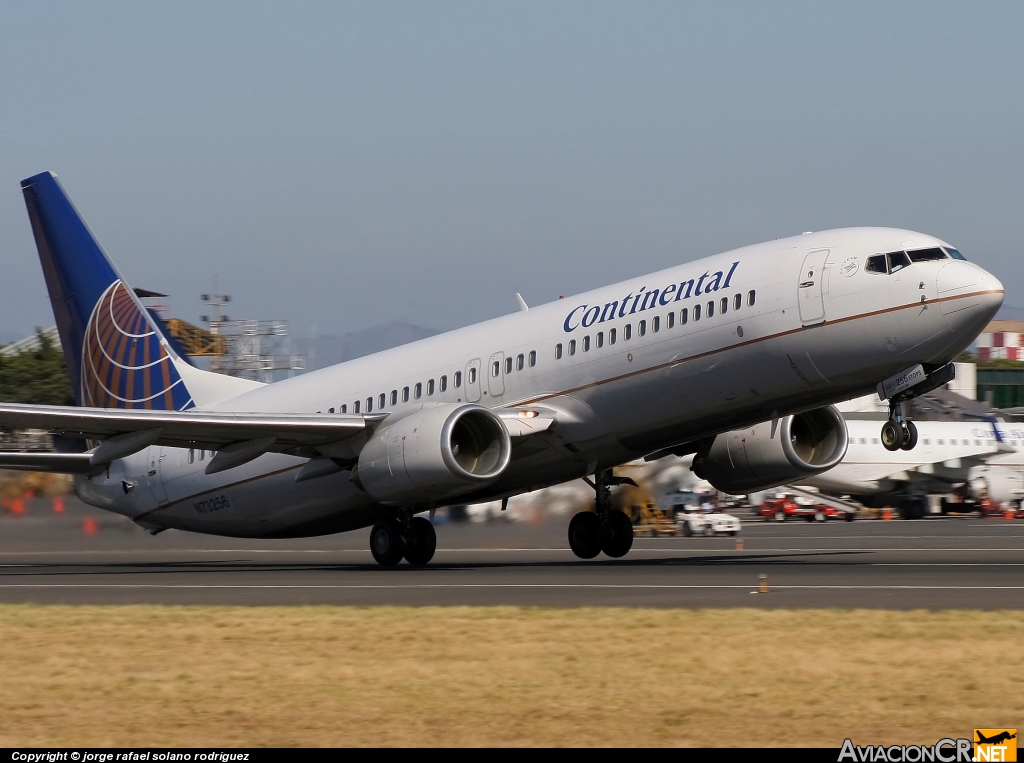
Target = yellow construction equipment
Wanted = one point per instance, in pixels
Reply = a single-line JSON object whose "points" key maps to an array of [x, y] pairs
{"points": [[195, 341]]}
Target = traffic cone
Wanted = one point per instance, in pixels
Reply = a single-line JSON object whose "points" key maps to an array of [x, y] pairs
{"points": [[762, 584], [58, 504], [17, 506], [1008, 513], [887, 514], [739, 544], [89, 526]]}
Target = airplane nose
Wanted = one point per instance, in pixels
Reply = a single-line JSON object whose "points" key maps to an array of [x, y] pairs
{"points": [[969, 296]]}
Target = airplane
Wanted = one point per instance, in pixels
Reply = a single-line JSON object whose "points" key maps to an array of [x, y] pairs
{"points": [[670, 362], [951, 456]]}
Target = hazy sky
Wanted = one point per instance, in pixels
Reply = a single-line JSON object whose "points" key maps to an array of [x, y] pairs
{"points": [[346, 164]]}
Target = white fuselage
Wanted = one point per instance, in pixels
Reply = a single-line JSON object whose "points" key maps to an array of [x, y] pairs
{"points": [[810, 327]]}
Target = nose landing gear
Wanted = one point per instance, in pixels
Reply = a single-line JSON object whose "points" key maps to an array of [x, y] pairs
{"points": [[898, 433], [604, 529]]}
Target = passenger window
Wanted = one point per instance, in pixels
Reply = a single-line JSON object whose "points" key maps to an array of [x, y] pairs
{"points": [[405, 394], [684, 316], [586, 343], [723, 307], [600, 339], [458, 379], [444, 383], [417, 391], [533, 358], [737, 302], [955, 254], [344, 409], [430, 387], [381, 399], [330, 410], [898, 261], [495, 368], [572, 346], [355, 407], [655, 324], [394, 397], [191, 455], [711, 309], [519, 362], [670, 320], [627, 332], [558, 351], [750, 298], [611, 336], [696, 312], [641, 328], [508, 364], [472, 376], [369, 404], [202, 454], [927, 255]]}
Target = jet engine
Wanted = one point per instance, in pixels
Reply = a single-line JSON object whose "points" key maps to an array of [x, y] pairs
{"points": [[763, 456], [997, 483], [438, 453]]}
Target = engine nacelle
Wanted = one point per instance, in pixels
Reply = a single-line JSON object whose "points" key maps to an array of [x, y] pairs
{"points": [[437, 453], [997, 483], [752, 459]]}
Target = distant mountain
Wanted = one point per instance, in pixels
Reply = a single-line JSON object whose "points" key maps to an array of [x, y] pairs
{"points": [[323, 351]]}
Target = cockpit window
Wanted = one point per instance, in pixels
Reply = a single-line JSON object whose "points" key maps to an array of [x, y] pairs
{"points": [[898, 261], [876, 264], [955, 254], [926, 255]]}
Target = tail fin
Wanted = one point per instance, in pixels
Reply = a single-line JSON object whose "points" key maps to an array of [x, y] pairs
{"points": [[995, 428], [116, 356]]}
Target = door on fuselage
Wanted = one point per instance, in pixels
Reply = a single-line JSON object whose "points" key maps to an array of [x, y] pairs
{"points": [[154, 474], [473, 380], [495, 380], [809, 288]]}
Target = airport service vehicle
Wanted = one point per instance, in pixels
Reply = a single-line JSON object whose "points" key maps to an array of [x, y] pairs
{"points": [[974, 460], [737, 358], [783, 506], [715, 523]]}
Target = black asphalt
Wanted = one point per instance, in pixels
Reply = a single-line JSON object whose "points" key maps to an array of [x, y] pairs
{"points": [[83, 556]]}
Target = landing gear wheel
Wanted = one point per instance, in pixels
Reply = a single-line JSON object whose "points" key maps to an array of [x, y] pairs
{"points": [[387, 544], [422, 542], [892, 436], [618, 535], [586, 534], [909, 435]]}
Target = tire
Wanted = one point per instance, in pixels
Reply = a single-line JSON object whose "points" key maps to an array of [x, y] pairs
{"points": [[709, 531], [850, 516], [618, 535], [780, 516], [819, 516], [909, 435], [687, 530], [586, 535], [422, 542], [387, 544], [892, 436]]}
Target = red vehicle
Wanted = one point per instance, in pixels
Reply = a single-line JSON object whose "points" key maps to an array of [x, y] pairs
{"points": [[783, 506]]}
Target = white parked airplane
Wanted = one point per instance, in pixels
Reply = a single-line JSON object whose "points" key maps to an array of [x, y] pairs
{"points": [[665, 362], [971, 458]]}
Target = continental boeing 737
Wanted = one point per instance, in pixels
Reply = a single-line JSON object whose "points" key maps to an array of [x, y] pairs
{"points": [[736, 358]]}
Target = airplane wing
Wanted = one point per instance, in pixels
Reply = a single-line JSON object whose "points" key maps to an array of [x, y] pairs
{"points": [[238, 437]]}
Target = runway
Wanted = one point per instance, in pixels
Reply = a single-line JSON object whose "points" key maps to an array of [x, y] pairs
{"points": [[86, 556]]}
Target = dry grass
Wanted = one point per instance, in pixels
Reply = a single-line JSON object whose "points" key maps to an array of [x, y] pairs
{"points": [[502, 675]]}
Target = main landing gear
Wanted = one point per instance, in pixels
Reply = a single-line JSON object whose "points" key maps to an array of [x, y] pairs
{"points": [[411, 538], [898, 433], [604, 529]]}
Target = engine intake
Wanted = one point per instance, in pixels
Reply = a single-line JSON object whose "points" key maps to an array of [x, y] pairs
{"points": [[439, 452], [752, 459]]}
